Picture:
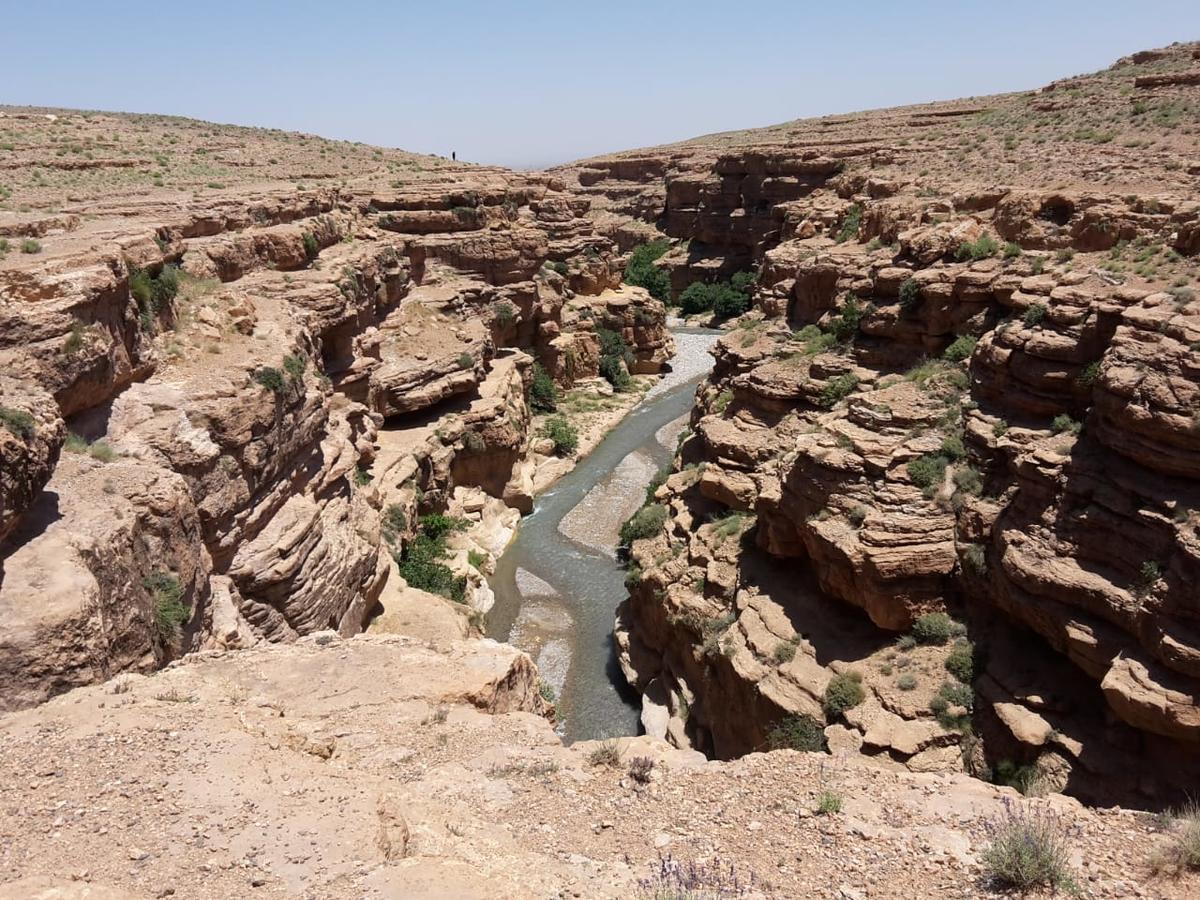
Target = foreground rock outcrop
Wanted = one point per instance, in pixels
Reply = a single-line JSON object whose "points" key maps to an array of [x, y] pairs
{"points": [[383, 766]]}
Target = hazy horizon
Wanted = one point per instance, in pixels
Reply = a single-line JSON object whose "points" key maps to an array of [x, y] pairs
{"points": [[537, 85]]}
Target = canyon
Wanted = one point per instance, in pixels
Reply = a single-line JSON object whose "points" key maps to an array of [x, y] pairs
{"points": [[272, 408]]}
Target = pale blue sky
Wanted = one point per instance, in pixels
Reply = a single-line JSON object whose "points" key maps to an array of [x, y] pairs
{"points": [[535, 83]]}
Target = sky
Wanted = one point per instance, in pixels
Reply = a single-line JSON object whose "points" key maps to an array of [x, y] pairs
{"points": [[531, 84]]}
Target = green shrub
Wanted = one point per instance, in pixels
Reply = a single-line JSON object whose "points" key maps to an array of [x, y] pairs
{"points": [[785, 652], [845, 326], [796, 732], [4, 247], [564, 435], [961, 661], [1028, 849], [968, 480], [933, 629], [311, 247], [907, 682], [505, 312], [421, 562], [560, 267], [270, 379], [927, 472], [615, 358], [17, 421], [975, 558], [170, 612], [641, 271], [730, 303], [29, 245], [394, 522], [645, 523], [850, 224], [1011, 250], [952, 447], [696, 298], [910, 293], [543, 393], [961, 349], [983, 248], [837, 389], [1033, 315], [1182, 852], [1064, 424], [294, 365], [466, 361], [1087, 377], [828, 803], [843, 692], [1148, 576]]}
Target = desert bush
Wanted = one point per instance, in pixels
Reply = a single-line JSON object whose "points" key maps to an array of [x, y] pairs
{"points": [[311, 247], [961, 661], [843, 692], [696, 298], [1034, 315], [968, 480], [907, 682], [1012, 251], [933, 629], [910, 293], [29, 245], [294, 365], [170, 612], [850, 224], [961, 349], [18, 422], [1064, 424], [1028, 849], [1148, 575], [394, 522], [505, 312], [270, 379], [421, 563], [1087, 377], [706, 880], [837, 389], [983, 248], [466, 361], [645, 523], [785, 652], [975, 558], [543, 393], [563, 434], [607, 753], [1182, 852], [641, 271], [796, 732], [641, 768], [828, 803], [927, 472], [615, 358]]}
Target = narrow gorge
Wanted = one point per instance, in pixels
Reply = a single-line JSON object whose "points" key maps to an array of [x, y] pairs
{"points": [[795, 502]]}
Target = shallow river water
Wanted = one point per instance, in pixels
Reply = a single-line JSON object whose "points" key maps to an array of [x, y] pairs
{"points": [[559, 583]]}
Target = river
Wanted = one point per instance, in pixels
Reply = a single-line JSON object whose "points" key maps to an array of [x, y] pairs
{"points": [[559, 583]]}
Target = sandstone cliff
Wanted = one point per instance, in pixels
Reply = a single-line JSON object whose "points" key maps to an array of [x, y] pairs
{"points": [[968, 385]]}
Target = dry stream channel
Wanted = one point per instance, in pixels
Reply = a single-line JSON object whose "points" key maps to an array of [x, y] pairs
{"points": [[559, 583]]}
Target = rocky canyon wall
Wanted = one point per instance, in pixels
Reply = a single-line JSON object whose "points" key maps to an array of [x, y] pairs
{"points": [[195, 390], [969, 386]]}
